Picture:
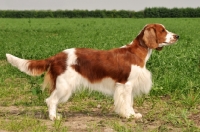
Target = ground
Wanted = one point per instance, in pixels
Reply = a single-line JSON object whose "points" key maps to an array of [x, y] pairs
{"points": [[156, 117]]}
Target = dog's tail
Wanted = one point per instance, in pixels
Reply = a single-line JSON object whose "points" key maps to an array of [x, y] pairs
{"points": [[33, 68], [53, 66], [30, 67]]}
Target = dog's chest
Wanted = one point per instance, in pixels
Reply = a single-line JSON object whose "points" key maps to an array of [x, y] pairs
{"points": [[140, 80]]}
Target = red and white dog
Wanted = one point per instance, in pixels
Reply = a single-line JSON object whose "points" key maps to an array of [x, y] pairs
{"points": [[120, 72]]}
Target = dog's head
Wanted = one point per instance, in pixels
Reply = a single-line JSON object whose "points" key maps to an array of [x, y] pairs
{"points": [[155, 36]]}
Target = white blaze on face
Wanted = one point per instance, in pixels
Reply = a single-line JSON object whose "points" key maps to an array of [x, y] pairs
{"points": [[169, 39]]}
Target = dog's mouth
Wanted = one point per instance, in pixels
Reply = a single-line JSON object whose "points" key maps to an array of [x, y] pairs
{"points": [[168, 43], [163, 44], [159, 48]]}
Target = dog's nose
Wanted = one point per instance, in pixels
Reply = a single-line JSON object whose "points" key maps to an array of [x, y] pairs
{"points": [[176, 36]]}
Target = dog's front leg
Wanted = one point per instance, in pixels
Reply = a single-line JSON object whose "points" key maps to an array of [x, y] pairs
{"points": [[123, 101]]}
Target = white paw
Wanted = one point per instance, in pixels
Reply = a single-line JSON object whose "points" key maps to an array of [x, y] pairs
{"points": [[52, 117], [137, 115], [55, 117]]}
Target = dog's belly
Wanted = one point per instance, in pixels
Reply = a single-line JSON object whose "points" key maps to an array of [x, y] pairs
{"points": [[75, 81], [106, 86]]}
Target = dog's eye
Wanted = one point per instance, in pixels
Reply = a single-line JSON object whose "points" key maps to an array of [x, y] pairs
{"points": [[163, 30]]}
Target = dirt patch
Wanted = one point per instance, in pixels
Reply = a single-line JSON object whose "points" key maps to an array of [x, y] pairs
{"points": [[195, 116], [74, 121], [196, 119], [105, 121]]}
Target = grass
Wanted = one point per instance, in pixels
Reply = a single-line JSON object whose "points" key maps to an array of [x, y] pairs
{"points": [[172, 105]]}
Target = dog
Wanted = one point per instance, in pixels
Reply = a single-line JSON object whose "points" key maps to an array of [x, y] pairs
{"points": [[119, 72]]}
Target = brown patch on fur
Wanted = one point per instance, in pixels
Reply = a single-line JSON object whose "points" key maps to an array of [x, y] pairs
{"points": [[160, 33], [58, 65], [116, 63], [54, 66], [37, 67]]}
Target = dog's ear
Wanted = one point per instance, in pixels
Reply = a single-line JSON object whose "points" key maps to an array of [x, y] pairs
{"points": [[149, 38]]}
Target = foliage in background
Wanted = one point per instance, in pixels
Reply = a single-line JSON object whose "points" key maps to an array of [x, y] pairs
{"points": [[154, 12]]}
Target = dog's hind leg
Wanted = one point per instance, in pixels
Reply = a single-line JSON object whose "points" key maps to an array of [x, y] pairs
{"points": [[61, 94]]}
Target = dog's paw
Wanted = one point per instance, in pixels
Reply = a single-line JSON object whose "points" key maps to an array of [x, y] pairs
{"points": [[55, 117], [137, 115], [52, 117]]}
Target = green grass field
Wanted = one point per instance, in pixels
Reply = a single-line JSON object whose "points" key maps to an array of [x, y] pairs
{"points": [[172, 105]]}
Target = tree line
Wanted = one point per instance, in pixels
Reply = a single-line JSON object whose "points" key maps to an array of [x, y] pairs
{"points": [[155, 12]]}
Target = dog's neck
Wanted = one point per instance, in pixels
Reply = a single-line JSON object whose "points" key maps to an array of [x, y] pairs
{"points": [[148, 55], [141, 43], [140, 49]]}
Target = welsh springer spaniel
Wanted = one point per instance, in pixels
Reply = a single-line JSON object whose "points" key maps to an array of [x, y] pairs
{"points": [[120, 72]]}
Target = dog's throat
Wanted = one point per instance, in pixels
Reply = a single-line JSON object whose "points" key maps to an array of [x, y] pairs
{"points": [[142, 44]]}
